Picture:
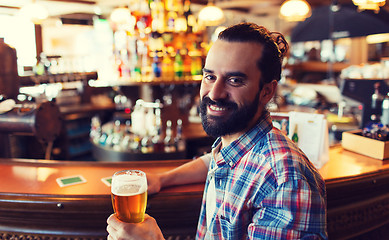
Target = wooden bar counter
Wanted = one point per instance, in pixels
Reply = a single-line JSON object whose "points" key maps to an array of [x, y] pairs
{"points": [[34, 206]]}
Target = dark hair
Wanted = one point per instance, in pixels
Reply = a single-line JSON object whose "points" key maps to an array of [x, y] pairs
{"points": [[274, 47]]}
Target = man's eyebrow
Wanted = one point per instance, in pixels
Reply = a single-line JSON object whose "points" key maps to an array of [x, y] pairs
{"points": [[207, 70], [228, 74], [236, 74]]}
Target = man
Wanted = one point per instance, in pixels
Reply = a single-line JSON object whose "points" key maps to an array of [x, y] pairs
{"points": [[259, 184]]}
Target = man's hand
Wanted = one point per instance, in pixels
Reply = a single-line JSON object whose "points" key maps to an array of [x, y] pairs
{"points": [[153, 183], [147, 230]]}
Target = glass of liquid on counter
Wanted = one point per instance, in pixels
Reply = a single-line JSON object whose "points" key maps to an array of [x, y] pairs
{"points": [[129, 195]]}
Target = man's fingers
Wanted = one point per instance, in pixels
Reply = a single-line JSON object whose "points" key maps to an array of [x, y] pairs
{"points": [[111, 233]]}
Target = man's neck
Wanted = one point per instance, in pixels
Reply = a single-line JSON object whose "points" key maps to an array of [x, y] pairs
{"points": [[228, 139]]}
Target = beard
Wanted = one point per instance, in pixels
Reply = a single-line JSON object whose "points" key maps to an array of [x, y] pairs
{"points": [[238, 120]]}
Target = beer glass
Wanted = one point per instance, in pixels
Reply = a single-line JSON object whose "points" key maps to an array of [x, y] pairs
{"points": [[129, 195]]}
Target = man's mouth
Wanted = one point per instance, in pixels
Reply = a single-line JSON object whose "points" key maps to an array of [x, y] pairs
{"points": [[216, 108], [221, 108]]}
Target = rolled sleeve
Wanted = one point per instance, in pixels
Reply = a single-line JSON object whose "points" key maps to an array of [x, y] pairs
{"points": [[293, 211]]}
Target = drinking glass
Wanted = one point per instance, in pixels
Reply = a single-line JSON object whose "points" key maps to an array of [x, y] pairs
{"points": [[129, 195]]}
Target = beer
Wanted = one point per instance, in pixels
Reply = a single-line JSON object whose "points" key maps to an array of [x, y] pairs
{"points": [[129, 195]]}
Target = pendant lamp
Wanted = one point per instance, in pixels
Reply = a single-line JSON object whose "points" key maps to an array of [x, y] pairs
{"points": [[211, 15], [295, 10], [369, 4], [34, 11]]}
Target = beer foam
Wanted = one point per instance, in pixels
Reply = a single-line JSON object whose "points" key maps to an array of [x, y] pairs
{"points": [[127, 185]]}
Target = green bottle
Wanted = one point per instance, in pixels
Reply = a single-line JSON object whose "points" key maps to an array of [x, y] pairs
{"points": [[178, 65], [295, 137]]}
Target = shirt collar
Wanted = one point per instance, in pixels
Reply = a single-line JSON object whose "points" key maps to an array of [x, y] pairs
{"points": [[238, 148]]}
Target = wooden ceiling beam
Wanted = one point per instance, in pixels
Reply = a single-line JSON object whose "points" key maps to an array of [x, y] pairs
{"points": [[76, 1], [9, 7]]}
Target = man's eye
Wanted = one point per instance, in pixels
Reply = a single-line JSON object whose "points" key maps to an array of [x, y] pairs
{"points": [[209, 77], [235, 81]]}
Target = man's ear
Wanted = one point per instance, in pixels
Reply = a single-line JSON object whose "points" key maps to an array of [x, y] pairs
{"points": [[268, 91]]}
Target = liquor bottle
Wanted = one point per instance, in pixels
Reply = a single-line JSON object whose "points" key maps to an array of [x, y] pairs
{"points": [[158, 143], [146, 69], [169, 141], [295, 137], [187, 62], [190, 18], [157, 15], [385, 111], [178, 65], [197, 62], [171, 18], [136, 145], [103, 138], [108, 141], [376, 97], [147, 144], [117, 136], [167, 67], [178, 141], [95, 131], [127, 136], [150, 120], [137, 68], [156, 65]]}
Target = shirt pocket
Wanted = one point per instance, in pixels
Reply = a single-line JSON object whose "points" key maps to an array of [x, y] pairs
{"points": [[227, 230]]}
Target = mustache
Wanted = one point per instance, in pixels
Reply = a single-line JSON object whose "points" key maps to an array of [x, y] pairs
{"points": [[219, 103]]}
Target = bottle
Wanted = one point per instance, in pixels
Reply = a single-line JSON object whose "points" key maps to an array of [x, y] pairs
{"points": [[117, 136], [150, 120], [376, 97], [146, 68], [156, 65], [103, 138], [135, 145], [95, 131], [295, 137], [171, 18], [385, 111], [178, 141], [178, 66], [169, 141], [108, 141], [167, 67], [190, 17], [147, 144], [187, 62], [197, 62], [127, 136], [158, 143]]}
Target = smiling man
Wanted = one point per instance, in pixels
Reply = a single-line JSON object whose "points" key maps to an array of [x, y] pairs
{"points": [[259, 184]]}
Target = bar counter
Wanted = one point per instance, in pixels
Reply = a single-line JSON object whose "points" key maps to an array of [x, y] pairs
{"points": [[32, 205]]}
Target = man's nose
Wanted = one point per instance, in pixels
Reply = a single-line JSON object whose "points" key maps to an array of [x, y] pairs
{"points": [[218, 90]]}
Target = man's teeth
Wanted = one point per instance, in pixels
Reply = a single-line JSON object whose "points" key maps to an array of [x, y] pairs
{"points": [[215, 108]]}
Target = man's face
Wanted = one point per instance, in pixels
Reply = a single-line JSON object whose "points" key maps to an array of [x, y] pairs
{"points": [[230, 89]]}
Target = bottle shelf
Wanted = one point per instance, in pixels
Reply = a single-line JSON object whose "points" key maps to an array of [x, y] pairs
{"points": [[107, 154], [153, 81]]}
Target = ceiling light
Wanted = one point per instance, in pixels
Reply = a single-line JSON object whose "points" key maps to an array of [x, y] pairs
{"points": [[180, 25], [295, 10], [211, 15], [369, 4], [121, 18], [120, 15], [377, 38], [34, 11]]}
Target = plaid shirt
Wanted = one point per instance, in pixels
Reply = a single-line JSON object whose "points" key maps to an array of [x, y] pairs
{"points": [[266, 188]]}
